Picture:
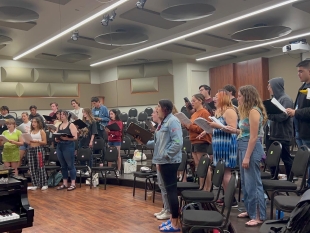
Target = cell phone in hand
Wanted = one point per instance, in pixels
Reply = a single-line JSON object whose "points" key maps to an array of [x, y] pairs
{"points": [[190, 107]]}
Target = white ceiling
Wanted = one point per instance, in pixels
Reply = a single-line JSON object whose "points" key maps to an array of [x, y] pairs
{"points": [[54, 18]]}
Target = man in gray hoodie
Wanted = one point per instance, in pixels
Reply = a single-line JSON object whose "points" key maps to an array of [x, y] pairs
{"points": [[281, 125]]}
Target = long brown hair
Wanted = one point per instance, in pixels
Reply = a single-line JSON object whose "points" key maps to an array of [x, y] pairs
{"points": [[39, 123], [90, 115], [223, 103], [251, 99]]}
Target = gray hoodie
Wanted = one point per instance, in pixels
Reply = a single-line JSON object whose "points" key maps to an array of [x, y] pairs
{"points": [[281, 125]]}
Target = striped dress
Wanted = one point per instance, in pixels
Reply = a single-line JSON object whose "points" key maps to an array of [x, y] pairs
{"points": [[224, 146]]}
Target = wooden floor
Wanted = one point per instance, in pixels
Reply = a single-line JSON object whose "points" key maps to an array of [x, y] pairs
{"points": [[96, 210]]}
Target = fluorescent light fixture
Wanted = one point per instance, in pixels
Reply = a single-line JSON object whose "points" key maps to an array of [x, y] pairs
{"points": [[73, 28], [254, 46], [198, 31]]}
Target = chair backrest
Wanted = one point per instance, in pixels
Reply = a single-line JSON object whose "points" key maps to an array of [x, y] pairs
{"points": [[187, 146], [183, 163], [203, 166], [218, 173], [117, 111], [123, 117], [84, 154], [142, 116], [184, 133], [52, 155], [274, 154], [126, 143], [99, 143], [132, 119], [111, 154], [300, 163], [133, 112], [228, 198], [149, 111]]}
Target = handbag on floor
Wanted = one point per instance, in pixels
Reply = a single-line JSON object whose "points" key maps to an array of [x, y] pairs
{"points": [[95, 180], [130, 166], [54, 179], [137, 155]]}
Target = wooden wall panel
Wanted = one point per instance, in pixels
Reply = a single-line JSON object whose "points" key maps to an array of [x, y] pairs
{"points": [[221, 76]]}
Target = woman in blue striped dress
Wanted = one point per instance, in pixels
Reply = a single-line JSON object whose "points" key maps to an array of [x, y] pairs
{"points": [[224, 144]]}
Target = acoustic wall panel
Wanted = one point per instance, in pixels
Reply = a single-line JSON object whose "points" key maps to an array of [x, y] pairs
{"points": [[34, 89], [158, 69], [64, 90], [132, 71], [16, 74], [144, 85], [9, 90], [76, 76], [109, 90], [48, 75]]}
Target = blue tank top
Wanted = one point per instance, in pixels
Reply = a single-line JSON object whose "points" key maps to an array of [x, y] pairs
{"points": [[244, 125]]}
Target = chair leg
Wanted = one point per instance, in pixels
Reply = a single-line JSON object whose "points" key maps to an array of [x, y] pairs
{"points": [[154, 191], [239, 191], [145, 189], [271, 204], [80, 179], [91, 179], [105, 180], [134, 186]]}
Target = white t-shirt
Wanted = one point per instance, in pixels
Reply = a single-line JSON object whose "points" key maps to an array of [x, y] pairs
{"points": [[78, 113], [27, 126]]}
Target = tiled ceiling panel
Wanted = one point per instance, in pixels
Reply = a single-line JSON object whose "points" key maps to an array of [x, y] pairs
{"points": [[303, 6], [256, 51], [222, 58], [89, 42], [149, 17], [20, 26], [211, 40], [183, 49]]}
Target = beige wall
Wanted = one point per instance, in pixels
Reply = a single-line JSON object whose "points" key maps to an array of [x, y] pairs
{"points": [[285, 66]]}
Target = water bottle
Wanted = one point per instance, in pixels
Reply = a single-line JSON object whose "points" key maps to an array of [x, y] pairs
{"points": [[279, 214]]}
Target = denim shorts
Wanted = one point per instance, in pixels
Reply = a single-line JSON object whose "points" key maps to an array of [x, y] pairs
{"points": [[24, 147], [114, 143]]}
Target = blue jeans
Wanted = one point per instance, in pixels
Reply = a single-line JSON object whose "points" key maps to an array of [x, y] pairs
{"points": [[251, 182], [163, 191], [301, 142], [65, 153]]}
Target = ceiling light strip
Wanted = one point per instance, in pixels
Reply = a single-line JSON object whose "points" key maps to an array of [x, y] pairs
{"points": [[198, 31], [253, 47], [74, 27]]}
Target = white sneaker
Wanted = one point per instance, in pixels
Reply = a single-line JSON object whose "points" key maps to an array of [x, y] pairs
{"points": [[116, 173], [32, 188], [159, 213], [164, 215], [44, 188], [86, 173], [78, 172]]}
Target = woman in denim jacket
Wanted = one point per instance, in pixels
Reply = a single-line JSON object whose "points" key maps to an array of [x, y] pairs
{"points": [[167, 144]]}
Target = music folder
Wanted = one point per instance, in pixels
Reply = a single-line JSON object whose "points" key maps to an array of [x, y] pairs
{"points": [[113, 127], [137, 131], [271, 108], [81, 124], [58, 135], [49, 118]]}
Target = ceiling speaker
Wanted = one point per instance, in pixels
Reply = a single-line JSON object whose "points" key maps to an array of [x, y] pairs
{"points": [[261, 33], [121, 38], [187, 12], [14, 14]]}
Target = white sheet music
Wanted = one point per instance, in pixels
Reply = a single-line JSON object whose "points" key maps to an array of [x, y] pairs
{"points": [[214, 119], [308, 93], [22, 128], [278, 105], [182, 118], [26, 137], [203, 123], [3, 138]]}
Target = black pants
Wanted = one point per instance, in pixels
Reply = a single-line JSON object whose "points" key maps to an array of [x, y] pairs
{"points": [[285, 156], [169, 175]]}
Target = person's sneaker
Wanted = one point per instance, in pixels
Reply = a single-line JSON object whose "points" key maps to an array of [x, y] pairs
{"points": [[32, 188], [78, 172], [234, 204], [116, 173], [159, 213], [44, 188], [86, 173], [164, 215]]}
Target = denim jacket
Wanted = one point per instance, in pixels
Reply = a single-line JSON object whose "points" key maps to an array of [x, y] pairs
{"points": [[167, 142], [103, 114]]}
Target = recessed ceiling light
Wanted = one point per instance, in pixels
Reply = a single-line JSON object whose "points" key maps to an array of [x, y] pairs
{"points": [[74, 27], [198, 31]]}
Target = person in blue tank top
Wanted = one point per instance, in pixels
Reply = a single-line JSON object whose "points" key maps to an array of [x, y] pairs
{"points": [[252, 116]]}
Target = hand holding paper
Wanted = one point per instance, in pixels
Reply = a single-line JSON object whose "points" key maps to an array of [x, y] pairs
{"points": [[279, 106], [182, 118], [203, 123]]}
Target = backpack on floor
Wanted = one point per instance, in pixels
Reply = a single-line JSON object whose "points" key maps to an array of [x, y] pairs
{"points": [[54, 179]]}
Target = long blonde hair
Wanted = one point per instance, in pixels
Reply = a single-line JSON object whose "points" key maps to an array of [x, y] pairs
{"points": [[90, 115], [251, 99]]}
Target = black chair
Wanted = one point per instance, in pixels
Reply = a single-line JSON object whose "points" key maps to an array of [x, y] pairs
{"points": [[125, 146], [272, 160], [132, 120], [83, 155], [206, 219], [184, 133], [187, 147], [149, 111], [202, 172], [123, 117], [299, 169], [142, 117], [99, 147], [52, 157], [203, 196], [133, 112], [285, 203], [110, 156]]}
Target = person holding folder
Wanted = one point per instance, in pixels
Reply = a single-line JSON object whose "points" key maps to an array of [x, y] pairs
{"points": [[114, 130], [281, 125]]}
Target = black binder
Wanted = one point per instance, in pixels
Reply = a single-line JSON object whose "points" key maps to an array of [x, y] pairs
{"points": [[271, 108], [58, 135], [137, 131], [81, 124], [113, 127], [49, 118]]}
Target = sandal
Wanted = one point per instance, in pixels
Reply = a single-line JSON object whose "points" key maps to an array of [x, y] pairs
{"points": [[243, 215], [167, 223], [61, 187], [72, 187], [253, 223], [169, 228]]}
